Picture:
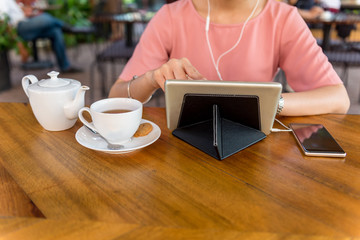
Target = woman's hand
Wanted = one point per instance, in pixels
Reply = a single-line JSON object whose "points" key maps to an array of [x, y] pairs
{"points": [[173, 69]]}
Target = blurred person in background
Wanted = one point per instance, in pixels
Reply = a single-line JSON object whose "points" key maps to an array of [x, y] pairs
{"points": [[331, 5], [32, 23], [308, 9]]}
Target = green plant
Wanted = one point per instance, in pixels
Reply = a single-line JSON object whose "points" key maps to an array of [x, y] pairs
{"points": [[75, 13], [8, 35]]}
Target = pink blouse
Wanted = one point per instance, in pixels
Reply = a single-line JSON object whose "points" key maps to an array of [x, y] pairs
{"points": [[277, 38]]}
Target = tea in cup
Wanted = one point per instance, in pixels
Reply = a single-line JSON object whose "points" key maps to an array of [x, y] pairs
{"points": [[116, 119]]}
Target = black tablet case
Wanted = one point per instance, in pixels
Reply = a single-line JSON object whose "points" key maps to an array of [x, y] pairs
{"points": [[219, 125]]}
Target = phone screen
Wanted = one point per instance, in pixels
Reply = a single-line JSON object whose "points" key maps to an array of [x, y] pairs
{"points": [[315, 140]]}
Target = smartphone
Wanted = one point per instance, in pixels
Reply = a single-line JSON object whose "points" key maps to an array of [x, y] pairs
{"points": [[315, 140]]}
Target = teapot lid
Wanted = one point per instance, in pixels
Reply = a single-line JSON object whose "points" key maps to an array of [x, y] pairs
{"points": [[54, 81]]}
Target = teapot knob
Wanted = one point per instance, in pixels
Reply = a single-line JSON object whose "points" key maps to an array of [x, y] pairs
{"points": [[53, 75]]}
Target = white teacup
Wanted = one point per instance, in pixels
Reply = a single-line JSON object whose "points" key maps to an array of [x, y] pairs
{"points": [[116, 119]]}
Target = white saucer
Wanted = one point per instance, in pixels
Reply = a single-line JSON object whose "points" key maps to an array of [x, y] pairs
{"points": [[93, 141]]}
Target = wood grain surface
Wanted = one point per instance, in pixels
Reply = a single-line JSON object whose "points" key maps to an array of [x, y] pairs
{"points": [[13, 200], [267, 188], [32, 228]]}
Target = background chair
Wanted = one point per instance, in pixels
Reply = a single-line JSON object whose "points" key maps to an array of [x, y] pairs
{"points": [[344, 59], [117, 51], [345, 54], [117, 54], [36, 63]]}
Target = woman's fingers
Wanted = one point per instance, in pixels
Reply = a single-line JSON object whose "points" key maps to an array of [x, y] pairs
{"points": [[179, 69], [175, 69], [191, 71]]}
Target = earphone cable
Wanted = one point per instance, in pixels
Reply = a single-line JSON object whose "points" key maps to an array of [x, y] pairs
{"points": [[217, 63], [208, 41], [287, 129]]}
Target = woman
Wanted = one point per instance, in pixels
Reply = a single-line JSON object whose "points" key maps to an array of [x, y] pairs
{"points": [[308, 9], [243, 41]]}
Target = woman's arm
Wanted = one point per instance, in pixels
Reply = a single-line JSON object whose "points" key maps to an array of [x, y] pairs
{"points": [[145, 85], [328, 99]]}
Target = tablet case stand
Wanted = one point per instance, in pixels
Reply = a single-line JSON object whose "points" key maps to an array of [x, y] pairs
{"points": [[219, 125]]}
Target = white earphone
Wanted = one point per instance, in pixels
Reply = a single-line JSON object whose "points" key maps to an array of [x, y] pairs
{"points": [[216, 64]]}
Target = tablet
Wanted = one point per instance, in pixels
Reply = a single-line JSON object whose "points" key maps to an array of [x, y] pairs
{"points": [[267, 93]]}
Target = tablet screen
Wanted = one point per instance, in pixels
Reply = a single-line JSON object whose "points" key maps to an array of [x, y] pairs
{"points": [[199, 107]]}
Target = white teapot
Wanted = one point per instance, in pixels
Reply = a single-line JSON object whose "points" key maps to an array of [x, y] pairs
{"points": [[56, 101]]}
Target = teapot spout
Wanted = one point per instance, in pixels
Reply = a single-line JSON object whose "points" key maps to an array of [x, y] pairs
{"points": [[71, 109]]}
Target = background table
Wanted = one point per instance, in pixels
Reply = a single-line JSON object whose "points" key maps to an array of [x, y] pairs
{"points": [[120, 50], [129, 19], [350, 4], [339, 18], [269, 190]]}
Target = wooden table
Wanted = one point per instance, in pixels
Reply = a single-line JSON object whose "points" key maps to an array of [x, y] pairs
{"points": [[350, 4], [129, 19], [52, 187]]}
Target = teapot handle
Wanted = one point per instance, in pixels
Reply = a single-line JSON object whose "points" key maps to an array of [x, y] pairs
{"points": [[26, 82]]}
